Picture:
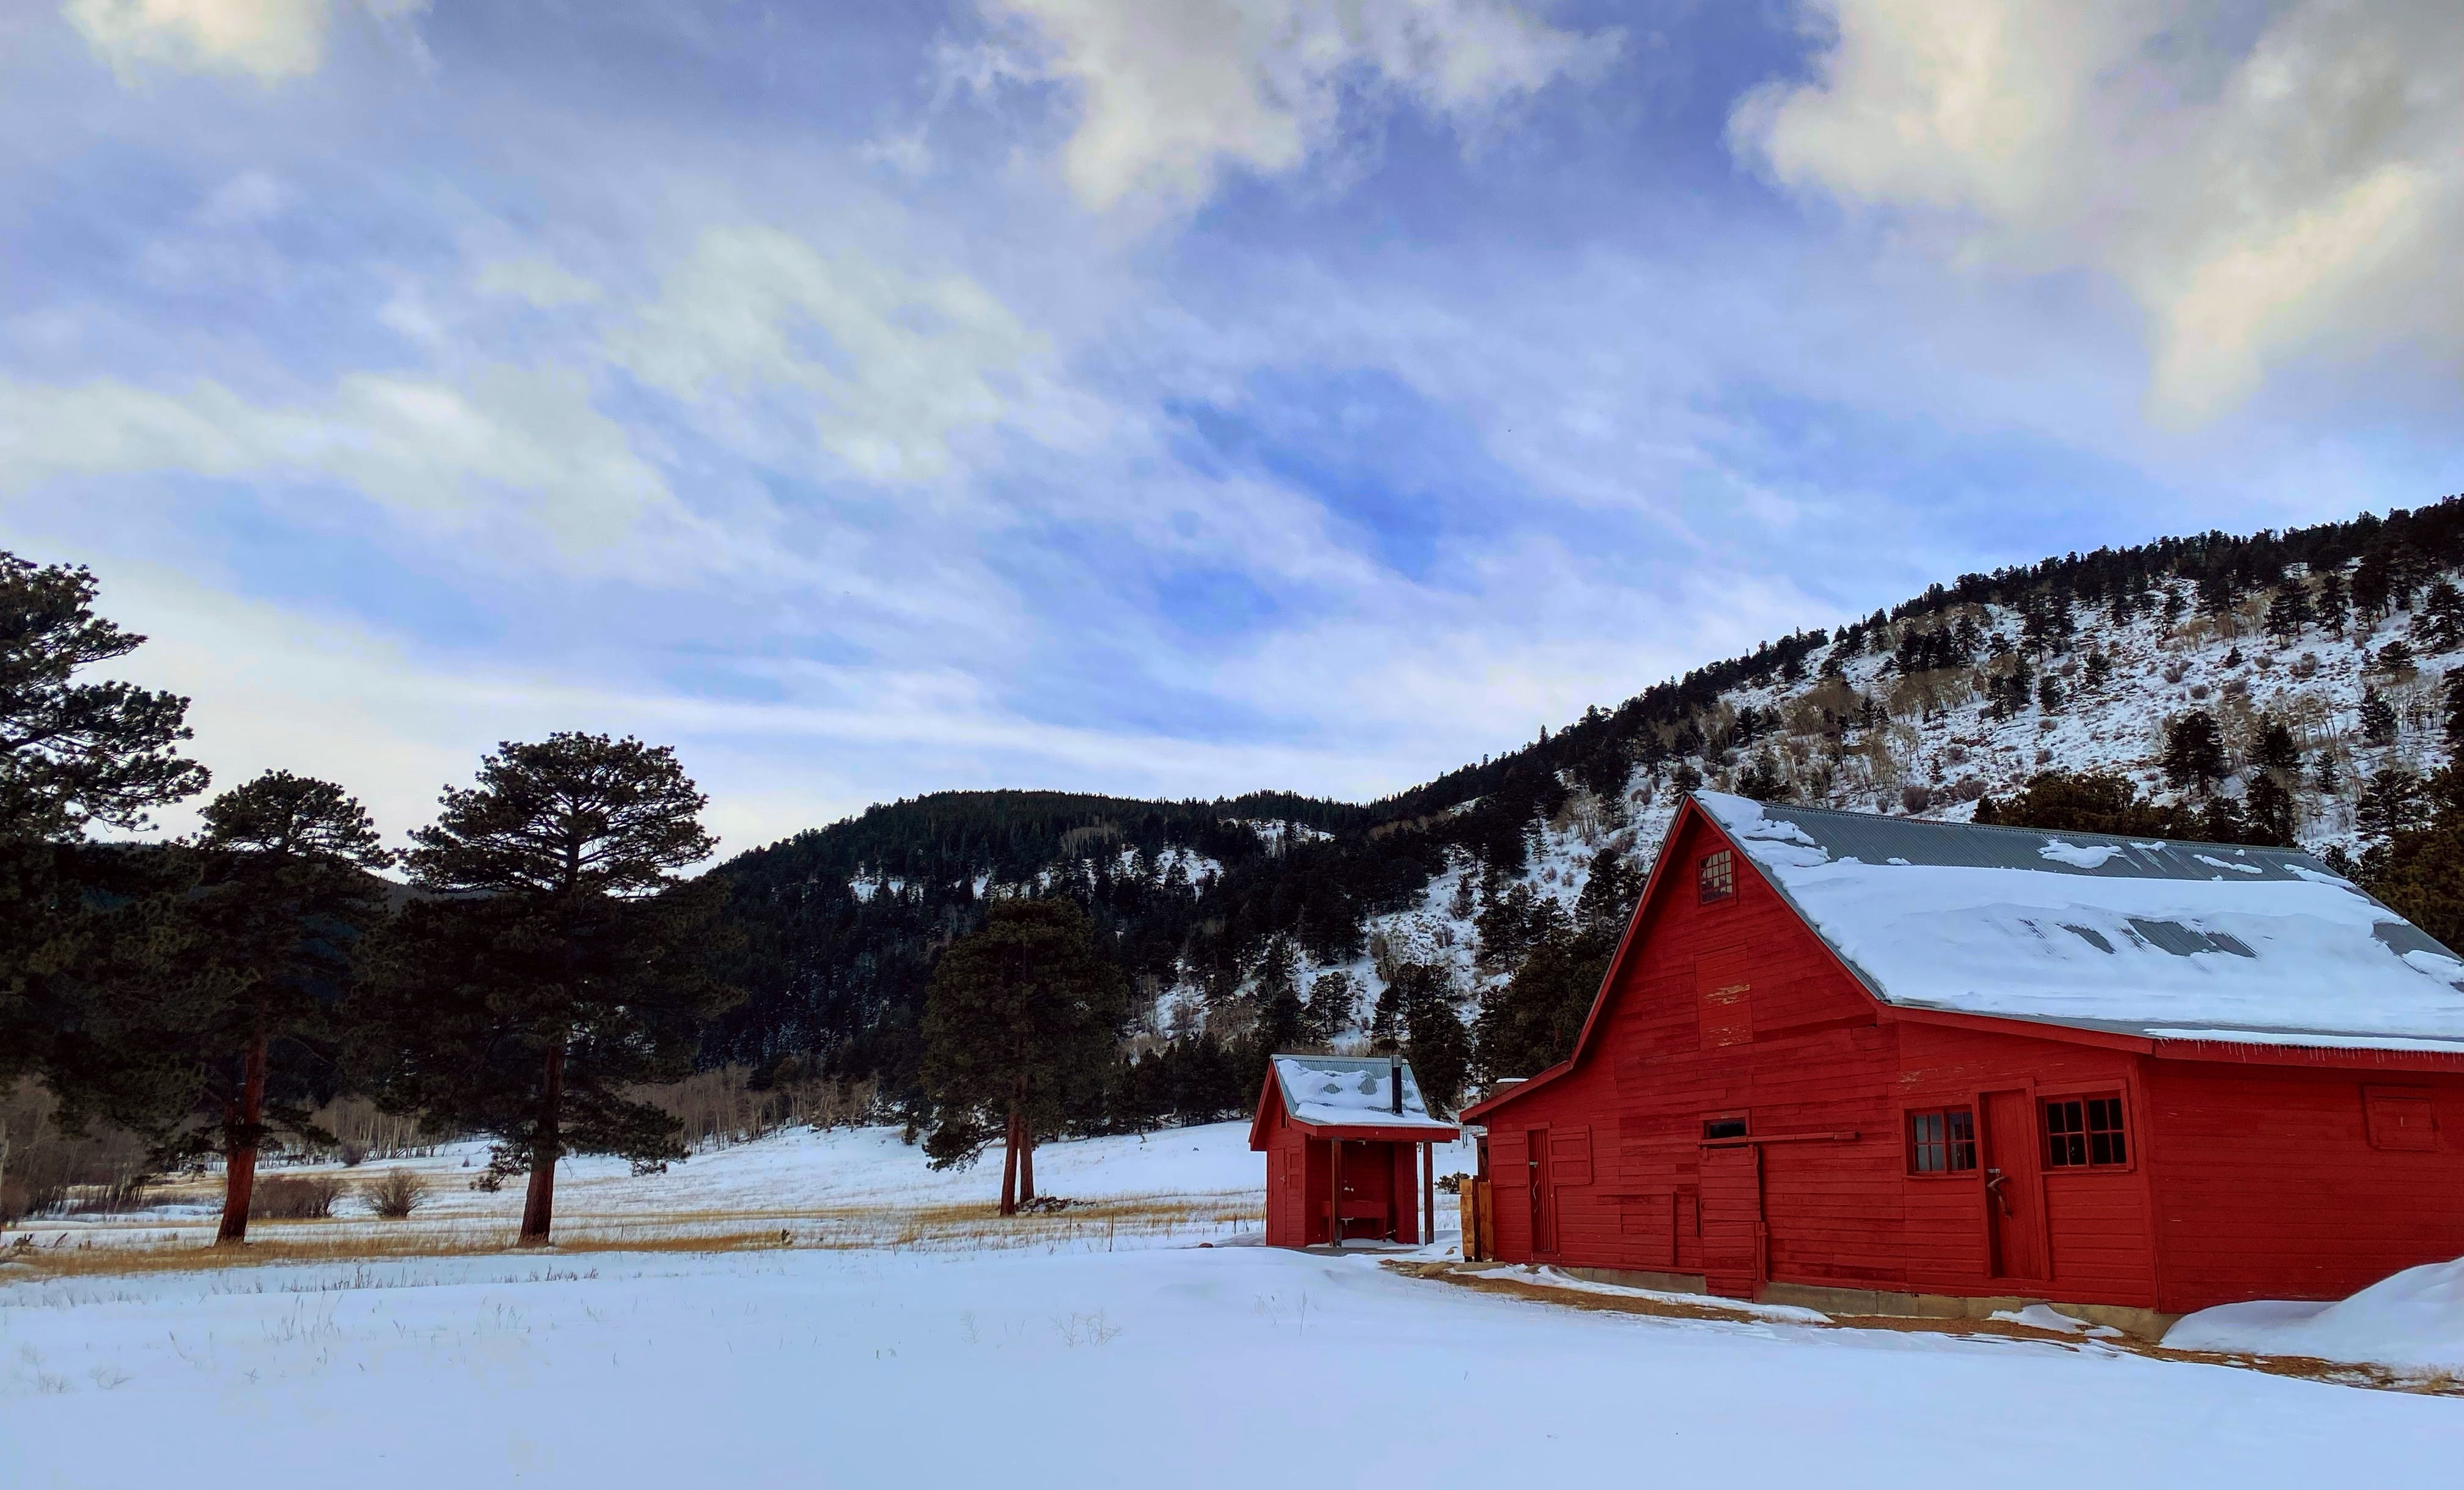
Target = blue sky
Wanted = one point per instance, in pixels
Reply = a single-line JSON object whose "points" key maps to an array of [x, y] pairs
{"points": [[1163, 398]]}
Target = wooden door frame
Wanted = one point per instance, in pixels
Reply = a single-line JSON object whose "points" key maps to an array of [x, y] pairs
{"points": [[1537, 1172], [1760, 1231], [2026, 1087]]}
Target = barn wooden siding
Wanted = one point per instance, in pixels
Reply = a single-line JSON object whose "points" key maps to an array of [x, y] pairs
{"points": [[2242, 1182]]}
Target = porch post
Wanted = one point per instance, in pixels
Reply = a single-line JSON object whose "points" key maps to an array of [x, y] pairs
{"points": [[1334, 1195]]}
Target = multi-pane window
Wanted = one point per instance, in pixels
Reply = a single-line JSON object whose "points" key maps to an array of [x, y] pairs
{"points": [[2083, 1132], [1941, 1143], [1718, 879]]}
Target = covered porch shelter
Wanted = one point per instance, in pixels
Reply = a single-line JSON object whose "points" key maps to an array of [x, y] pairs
{"points": [[1351, 1151]]}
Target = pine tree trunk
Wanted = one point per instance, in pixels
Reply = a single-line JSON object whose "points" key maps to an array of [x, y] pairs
{"points": [[1009, 1165], [539, 1207], [1025, 1160], [240, 1134]]}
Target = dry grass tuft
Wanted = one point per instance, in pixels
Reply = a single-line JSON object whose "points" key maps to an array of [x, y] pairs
{"points": [[294, 1197]]}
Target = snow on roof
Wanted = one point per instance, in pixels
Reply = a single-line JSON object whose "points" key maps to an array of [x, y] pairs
{"points": [[1350, 1091], [2173, 941]]}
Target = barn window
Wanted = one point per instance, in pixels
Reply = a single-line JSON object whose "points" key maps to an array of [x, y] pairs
{"points": [[2084, 1133], [1724, 1127], [1718, 880], [1941, 1143], [2399, 1118]]}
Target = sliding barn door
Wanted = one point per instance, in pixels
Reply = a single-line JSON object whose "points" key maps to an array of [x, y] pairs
{"points": [[1732, 1221]]}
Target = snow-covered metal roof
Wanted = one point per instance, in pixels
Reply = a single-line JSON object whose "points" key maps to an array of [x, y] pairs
{"points": [[1351, 1091], [2169, 940]]}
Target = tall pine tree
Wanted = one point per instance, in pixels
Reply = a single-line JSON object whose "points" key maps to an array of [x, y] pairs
{"points": [[1020, 1011], [74, 752], [559, 962], [229, 1039]]}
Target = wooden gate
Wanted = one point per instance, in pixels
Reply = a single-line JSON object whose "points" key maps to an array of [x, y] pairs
{"points": [[1733, 1240]]}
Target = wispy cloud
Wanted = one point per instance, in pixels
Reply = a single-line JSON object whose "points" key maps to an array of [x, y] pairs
{"points": [[1177, 399], [2299, 192]]}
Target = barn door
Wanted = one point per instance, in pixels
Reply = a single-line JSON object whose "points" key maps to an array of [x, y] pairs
{"points": [[1543, 1209], [1732, 1221], [2013, 1202]]}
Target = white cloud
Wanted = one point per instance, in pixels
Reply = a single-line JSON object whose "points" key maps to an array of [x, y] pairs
{"points": [[519, 443], [268, 39], [543, 282], [1169, 94], [897, 364], [2300, 195]]}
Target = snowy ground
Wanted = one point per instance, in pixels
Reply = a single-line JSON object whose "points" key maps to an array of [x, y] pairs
{"points": [[1238, 1365], [1050, 1352]]}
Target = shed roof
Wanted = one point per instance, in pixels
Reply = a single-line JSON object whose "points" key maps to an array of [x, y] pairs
{"points": [[2161, 939], [1351, 1092]]}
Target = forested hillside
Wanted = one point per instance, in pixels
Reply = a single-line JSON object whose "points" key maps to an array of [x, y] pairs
{"points": [[2279, 687]]}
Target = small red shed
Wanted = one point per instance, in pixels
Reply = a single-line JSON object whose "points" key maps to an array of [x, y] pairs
{"points": [[1347, 1145], [1839, 1051]]}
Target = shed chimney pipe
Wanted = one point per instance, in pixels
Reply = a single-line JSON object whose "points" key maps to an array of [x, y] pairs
{"points": [[1395, 1084]]}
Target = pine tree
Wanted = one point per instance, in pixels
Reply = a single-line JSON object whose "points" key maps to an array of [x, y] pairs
{"points": [[2392, 805], [1334, 1003], [2268, 810], [2372, 587], [559, 964], [1277, 997], [2100, 669], [2277, 749], [2195, 752], [1435, 1040], [2421, 872], [1282, 1021], [1611, 886], [73, 753], [2219, 590], [2288, 613], [2331, 604], [2048, 693], [2378, 719], [232, 1038], [1019, 1010], [2455, 728], [1529, 1022], [2439, 623]]}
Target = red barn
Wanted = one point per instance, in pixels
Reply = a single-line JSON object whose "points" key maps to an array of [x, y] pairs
{"points": [[1879, 1062], [1346, 1140]]}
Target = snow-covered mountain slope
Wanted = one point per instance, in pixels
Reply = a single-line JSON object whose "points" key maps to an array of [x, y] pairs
{"points": [[1931, 743], [2312, 666]]}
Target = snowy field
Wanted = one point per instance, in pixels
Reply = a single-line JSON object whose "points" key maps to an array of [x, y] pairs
{"points": [[848, 1187], [936, 1348], [1237, 1365]]}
